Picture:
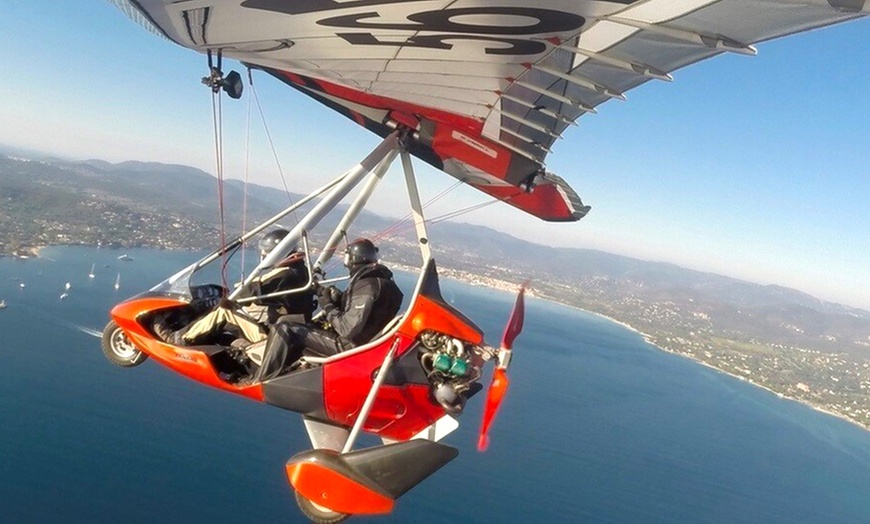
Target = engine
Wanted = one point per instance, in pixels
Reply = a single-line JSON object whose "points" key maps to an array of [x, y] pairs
{"points": [[451, 366]]}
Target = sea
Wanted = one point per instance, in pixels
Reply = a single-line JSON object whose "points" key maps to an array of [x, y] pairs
{"points": [[598, 426]]}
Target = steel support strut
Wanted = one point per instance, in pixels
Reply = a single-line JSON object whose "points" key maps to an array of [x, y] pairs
{"points": [[211, 257], [416, 206], [354, 209], [370, 399], [313, 217]]}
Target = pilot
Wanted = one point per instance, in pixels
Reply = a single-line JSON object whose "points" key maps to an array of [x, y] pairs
{"points": [[250, 321], [353, 316]]}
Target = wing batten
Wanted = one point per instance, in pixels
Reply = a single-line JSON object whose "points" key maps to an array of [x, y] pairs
{"points": [[641, 69], [529, 123], [516, 149], [712, 41], [540, 109], [525, 139], [556, 96], [581, 81]]}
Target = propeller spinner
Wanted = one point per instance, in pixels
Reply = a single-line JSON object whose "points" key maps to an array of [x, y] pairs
{"points": [[500, 382]]}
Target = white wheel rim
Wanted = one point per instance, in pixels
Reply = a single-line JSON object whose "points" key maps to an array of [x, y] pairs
{"points": [[322, 509], [122, 346]]}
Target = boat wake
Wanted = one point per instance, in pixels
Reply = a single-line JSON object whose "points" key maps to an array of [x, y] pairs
{"points": [[59, 321], [87, 331], [84, 329]]}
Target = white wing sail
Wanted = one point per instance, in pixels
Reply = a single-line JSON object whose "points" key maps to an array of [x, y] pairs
{"points": [[490, 85]]}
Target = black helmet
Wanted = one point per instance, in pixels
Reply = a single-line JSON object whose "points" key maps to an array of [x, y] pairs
{"points": [[360, 251], [270, 240]]}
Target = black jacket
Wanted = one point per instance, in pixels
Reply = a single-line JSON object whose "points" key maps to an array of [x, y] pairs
{"points": [[371, 300], [284, 278]]}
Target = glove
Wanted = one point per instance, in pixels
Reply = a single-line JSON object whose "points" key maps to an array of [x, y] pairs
{"points": [[324, 296], [226, 303], [326, 311]]}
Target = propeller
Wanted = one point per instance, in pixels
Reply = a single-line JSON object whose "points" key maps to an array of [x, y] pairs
{"points": [[500, 382]]}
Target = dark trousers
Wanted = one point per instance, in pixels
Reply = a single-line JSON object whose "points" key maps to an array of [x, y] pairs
{"points": [[287, 342]]}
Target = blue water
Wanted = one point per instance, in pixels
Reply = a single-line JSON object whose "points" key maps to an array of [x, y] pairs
{"points": [[598, 426]]}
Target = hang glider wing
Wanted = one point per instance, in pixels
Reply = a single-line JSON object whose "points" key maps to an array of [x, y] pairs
{"points": [[489, 84]]}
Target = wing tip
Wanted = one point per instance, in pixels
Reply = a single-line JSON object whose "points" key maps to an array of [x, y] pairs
{"points": [[575, 204]]}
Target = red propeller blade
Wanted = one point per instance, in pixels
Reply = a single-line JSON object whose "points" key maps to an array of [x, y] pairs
{"points": [[500, 382], [497, 389], [515, 323]]}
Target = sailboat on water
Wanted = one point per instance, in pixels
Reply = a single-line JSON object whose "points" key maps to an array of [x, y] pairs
{"points": [[91, 273], [118, 281]]}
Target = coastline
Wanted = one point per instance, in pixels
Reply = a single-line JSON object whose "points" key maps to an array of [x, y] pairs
{"points": [[761, 386], [25, 252], [471, 279], [508, 287], [648, 339]]}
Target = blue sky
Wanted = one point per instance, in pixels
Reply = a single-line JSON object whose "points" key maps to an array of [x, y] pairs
{"points": [[752, 167]]}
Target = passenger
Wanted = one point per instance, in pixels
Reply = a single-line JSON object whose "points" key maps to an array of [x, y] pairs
{"points": [[251, 320], [354, 316]]}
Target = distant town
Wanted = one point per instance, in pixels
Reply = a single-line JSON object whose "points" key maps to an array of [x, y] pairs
{"points": [[788, 342], [836, 383]]}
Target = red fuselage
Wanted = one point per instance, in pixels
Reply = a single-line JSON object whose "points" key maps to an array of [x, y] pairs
{"points": [[335, 391]]}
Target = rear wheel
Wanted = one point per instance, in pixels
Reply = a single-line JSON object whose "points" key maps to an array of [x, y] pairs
{"points": [[318, 513], [118, 348]]}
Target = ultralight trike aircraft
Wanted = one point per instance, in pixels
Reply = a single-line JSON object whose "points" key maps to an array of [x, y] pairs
{"points": [[480, 89], [402, 386]]}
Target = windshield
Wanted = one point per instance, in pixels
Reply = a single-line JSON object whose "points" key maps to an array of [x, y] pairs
{"points": [[190, 282], [178, 284]]}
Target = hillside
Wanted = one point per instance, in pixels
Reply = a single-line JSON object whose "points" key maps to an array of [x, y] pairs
{"points": [[780, 338]]}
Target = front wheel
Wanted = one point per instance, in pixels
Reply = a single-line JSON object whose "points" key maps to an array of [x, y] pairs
{"points": [[317, 513], [118, 348]]}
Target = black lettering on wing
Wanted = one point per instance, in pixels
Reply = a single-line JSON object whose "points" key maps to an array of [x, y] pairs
{"points": [[445, 21], [516, 46], [301, 7]]}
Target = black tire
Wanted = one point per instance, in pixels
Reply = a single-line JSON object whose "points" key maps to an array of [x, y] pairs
{"points": [[318, 514], [118, 348]]}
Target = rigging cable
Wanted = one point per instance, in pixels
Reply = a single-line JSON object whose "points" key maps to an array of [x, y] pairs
{"points": [[271, 143], [393, 230], [401, 223], [463, 211], [247, 171], [445, 216], [217, 122]]}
